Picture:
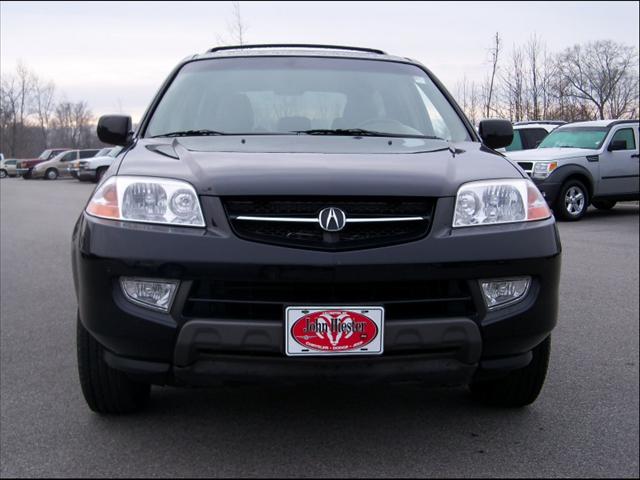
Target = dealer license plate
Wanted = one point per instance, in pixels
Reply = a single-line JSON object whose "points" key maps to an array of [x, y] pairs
{"points": [[334, 331]]}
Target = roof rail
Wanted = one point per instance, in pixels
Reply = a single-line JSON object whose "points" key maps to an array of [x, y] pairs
{"points": [[628, 120], [549, 122], [295, 45]]}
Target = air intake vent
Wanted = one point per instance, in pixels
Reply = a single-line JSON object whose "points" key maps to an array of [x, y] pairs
{"points": [[368, 222], [268, 300]]}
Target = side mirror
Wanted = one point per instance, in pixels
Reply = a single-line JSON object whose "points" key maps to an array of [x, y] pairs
{"points": [[617, 145], [115, 129], [496, 133]]}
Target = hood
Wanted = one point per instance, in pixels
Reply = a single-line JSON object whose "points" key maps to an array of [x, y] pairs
{"points": [[312, 165], [29, 161], [91, 159], [543, 154], [45, 163]]}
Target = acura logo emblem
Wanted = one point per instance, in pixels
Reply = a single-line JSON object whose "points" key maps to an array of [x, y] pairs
{"points": [[332, 219]]}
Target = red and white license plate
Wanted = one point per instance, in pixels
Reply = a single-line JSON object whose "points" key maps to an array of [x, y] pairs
{"points": [[334, 331]]}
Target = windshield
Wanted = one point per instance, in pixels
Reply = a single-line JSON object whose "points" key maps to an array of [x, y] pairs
{"points": [[576, 137], [516, 144], [103, 152], [115, 151], [292, 95], [45, 155]]}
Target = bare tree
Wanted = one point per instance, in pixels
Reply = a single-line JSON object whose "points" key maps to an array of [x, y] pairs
{"points": [[534, 53], [236, 28], [494, 54], [549, 72], [461, 94], [474, 103], [16, 93], [24, 78], [9, 101], [513, 81], [595, 71], [72, 123], [624, 98], [43, 106]]}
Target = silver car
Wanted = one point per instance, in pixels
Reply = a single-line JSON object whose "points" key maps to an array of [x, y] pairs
{"points": [[8, 168]]}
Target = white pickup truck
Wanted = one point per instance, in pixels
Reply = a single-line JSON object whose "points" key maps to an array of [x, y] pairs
{"points": [[94, 168]]}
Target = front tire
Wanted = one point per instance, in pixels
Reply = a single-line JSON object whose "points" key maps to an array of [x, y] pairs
{"points": [[520, 387], [573, 201], [51, 174], [3, 173], [100, 173], [106, 390], [604, 204]]}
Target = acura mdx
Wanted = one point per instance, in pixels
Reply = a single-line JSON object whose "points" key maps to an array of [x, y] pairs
{"points": [[292, 213]]}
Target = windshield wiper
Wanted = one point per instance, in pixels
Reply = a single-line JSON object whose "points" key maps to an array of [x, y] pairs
{"points": [[360, 132], [190, 133]]}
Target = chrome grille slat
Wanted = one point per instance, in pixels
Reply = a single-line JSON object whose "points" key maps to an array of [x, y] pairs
{"points": [[294, 221]]}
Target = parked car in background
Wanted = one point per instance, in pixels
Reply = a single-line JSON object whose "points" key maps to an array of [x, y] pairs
{"points": [[74, 166], [94, 168], [585, 163], [528, 135], [57, 166], [8, 167], [25, 166]]}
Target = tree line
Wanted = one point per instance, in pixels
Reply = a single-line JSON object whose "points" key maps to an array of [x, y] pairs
{"points": [[596, 80], [33, 118]]}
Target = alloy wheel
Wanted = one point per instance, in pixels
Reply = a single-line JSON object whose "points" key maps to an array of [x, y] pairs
{"points": [[574, 201]]}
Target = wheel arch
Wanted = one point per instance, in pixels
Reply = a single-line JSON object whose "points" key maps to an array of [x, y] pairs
{"points": [[574, 172]]}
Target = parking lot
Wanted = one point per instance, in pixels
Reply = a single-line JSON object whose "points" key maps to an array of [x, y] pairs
{"points": [[585, 422]]}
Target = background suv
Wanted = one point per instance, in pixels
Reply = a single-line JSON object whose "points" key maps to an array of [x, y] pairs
{"points": [[585, 162], [528, 135]]}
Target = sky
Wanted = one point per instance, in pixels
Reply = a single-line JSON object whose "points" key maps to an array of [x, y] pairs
{"points": [[115, 55]]}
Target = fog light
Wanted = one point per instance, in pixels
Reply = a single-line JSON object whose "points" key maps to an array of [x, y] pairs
{"points": [[149, 292], [500, 292]]}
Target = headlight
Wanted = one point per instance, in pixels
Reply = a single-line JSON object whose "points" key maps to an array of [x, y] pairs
{"points": [[148, 200], [499, 201], [544, 169]]}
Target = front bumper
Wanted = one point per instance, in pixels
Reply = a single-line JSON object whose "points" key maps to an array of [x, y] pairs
{"points": [[549, 189], [178, 348], [86, 174], [37, 173], [22, 171]]}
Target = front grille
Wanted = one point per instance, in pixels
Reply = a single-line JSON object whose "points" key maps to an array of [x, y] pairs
{"points": [[527, 167], [388, 227], [268, 300]]}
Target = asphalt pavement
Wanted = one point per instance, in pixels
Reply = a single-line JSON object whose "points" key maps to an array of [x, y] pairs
{"points": [[585, 422]]}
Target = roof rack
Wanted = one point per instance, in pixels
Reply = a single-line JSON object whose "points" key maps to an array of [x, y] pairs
{"points": [[296, 45]]}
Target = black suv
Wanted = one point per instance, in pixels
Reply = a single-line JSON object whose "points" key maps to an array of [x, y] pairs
{"points": [[302, 213]]}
